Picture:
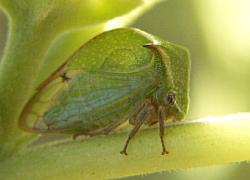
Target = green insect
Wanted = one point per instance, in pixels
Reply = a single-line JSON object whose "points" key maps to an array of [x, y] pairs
{"points": [[93, 93]]}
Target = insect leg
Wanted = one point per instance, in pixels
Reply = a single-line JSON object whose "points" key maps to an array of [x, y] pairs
{"points": [[161, 117], [143, 116], [138, 109]]}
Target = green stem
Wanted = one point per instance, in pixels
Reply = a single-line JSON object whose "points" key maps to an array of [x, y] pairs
{"points": [[25, 50], [199, 143]]}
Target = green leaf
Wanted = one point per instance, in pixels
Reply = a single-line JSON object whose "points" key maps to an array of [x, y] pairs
{"points": [[204, 142], [56, 16]]}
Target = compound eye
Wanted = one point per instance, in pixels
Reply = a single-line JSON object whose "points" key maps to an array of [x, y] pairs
{"points": [[170, 99]]}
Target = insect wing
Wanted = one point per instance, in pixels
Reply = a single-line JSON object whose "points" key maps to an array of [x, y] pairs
{"points": [[88, 101]]}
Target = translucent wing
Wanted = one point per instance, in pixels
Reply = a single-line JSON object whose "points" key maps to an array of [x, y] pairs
{"points": [[87, 101]]}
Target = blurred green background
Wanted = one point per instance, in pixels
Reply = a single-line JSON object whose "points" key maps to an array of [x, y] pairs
{"points": [[217, 33]]}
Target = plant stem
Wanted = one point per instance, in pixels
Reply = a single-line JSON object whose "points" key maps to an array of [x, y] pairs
{"points": [[25, 50], [205, 142]]}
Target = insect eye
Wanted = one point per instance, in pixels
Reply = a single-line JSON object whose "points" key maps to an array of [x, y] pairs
{"points": [[170, 99]]}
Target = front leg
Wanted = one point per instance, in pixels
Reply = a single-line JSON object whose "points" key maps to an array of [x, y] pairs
{"points": [[161, 118]]}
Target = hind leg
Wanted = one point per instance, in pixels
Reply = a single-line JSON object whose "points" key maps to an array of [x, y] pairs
{"points": [[104, 131], [161, 118]]}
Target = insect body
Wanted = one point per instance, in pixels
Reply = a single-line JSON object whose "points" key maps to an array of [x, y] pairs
{"points": [[96, 101]]}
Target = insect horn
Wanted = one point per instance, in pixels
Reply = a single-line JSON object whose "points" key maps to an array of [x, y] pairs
{"points": [[151, 45]]}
